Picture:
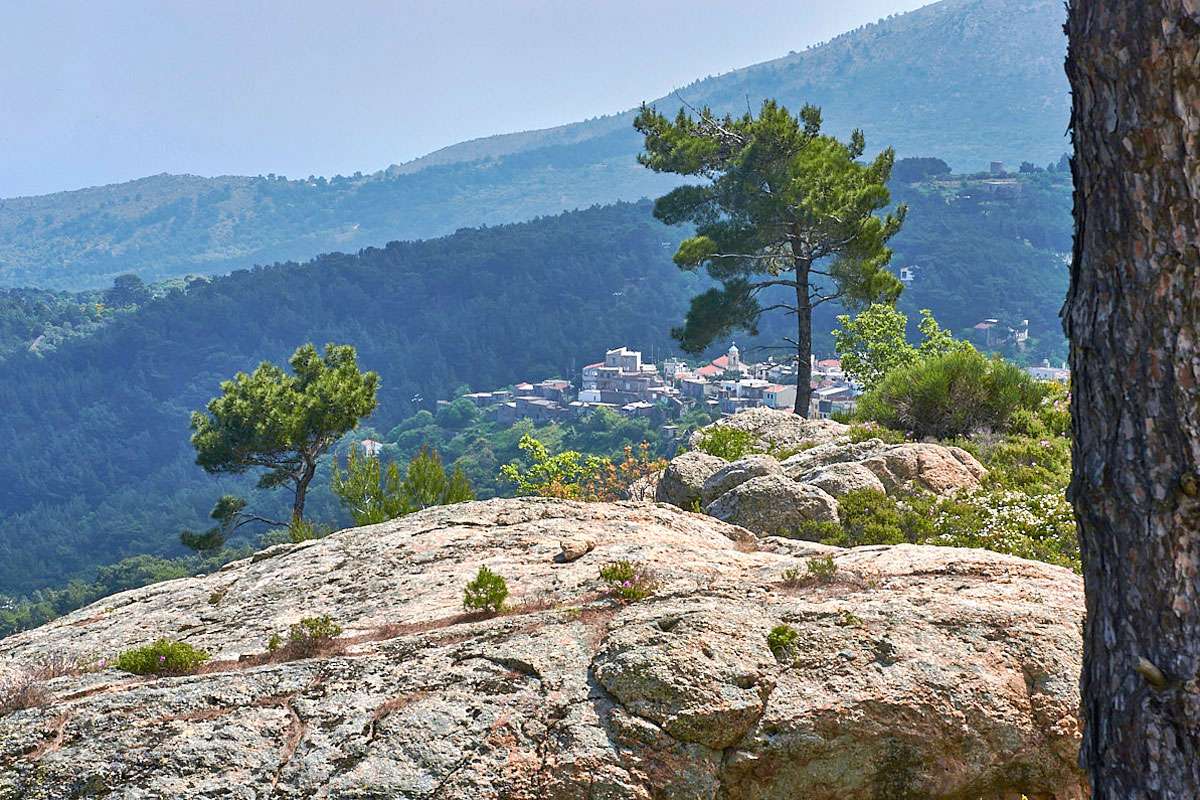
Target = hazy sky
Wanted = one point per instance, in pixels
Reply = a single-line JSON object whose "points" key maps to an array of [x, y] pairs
{"points": [[99, 91]]}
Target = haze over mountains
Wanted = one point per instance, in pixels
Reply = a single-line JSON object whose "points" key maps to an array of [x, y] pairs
{"points": [[970, 81], [105, 470]]}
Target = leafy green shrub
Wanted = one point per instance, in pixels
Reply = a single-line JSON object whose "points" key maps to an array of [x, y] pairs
{"points": [[374, 494], [872, 517], [726, 442], [487, 592], [301, 530], [164, 657], [564, 475], [951, 395], [628, 581], [781, 640], [1037, 526], [793, 578], [307, 637], [823, 569]]}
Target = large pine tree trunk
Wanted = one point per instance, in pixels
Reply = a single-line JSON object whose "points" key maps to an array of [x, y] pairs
{"points": [[1132, 317], [803, 342]]}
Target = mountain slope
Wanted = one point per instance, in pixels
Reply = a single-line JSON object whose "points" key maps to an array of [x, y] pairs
{"points": [[101, 467], [950, 79], [970, 81]]}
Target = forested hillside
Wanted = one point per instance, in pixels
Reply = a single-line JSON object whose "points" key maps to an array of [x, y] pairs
{"points": [[970, 80], [101, 467]]}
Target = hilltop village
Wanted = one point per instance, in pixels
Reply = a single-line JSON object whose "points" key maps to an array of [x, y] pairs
{"points": [[626, 384]]}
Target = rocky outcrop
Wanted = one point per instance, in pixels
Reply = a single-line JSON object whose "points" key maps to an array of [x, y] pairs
{"points": [[938, 469], [847, 476], [737, 473], [772, 497], [916, 671], [682, 482]]}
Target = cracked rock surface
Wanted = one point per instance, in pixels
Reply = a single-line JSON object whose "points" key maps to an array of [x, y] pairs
{"points": [[947, 673]]}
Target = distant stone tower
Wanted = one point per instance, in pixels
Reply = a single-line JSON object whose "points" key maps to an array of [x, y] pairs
{"points": [[735, 358]]}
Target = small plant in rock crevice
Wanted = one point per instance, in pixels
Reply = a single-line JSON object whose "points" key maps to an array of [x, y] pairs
{"points": [[822, 569], [628, 581], [782, 641], [308, 637], [486, 592]]}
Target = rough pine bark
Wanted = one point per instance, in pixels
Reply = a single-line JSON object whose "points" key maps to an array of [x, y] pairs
{"points": [[1132, 316]]}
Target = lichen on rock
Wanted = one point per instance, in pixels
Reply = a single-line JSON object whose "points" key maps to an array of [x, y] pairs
{"points": [[967, 659]]}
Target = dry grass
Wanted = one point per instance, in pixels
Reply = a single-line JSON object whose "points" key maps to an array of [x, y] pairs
{"points": [[27, 688]]}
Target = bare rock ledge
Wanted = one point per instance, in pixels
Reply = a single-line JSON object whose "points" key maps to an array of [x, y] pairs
{"points": [[918, 672]]}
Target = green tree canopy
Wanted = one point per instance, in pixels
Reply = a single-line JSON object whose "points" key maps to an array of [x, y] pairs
{"points": [[374, 494], [284, 423], [127, 290], [874, 342], [783, 206]]}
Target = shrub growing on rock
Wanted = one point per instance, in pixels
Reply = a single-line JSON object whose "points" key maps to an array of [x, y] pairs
{"points": [[487, 592], [726, 442], [26, 687], [949, 395], [628, 581], [306, 638], [782, 640], [822, 568], [164, 657]]}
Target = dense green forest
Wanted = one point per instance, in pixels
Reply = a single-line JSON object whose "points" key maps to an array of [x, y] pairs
{"points": [[103, 468], [971, 80]]}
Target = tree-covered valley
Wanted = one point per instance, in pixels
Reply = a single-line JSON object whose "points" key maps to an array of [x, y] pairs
{"points": [[100, 424]]}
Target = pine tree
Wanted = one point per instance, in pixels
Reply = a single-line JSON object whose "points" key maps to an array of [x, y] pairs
{"points": [[1134, 323], [783, 206], [284, 423]]}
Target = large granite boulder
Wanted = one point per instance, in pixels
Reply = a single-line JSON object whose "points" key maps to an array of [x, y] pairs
{"points": [[773, 505], [736, 473], [916, 672], [844, 477], [682, 482], [822, 455], [941, 470]]}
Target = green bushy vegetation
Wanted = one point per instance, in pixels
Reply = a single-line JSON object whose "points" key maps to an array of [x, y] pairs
{"points": [[487, 592], [953, 394], [1020, 508], [724, 441], [628, 581], [782, 640], [305, 639], [163, 657], [374, 494]]}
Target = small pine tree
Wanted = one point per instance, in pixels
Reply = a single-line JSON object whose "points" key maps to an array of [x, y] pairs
{"points": [[487, 592]]}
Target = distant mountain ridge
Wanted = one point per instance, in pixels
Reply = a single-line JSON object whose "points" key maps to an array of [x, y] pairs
{"points": [[970, 81]]}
